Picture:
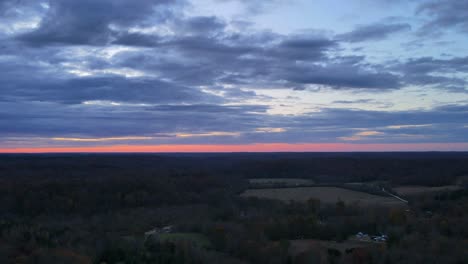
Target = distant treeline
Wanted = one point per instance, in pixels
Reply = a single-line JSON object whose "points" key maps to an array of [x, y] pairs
{"points": [[431, 169]]}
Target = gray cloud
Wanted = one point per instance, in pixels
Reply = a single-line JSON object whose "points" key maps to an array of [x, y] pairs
{"points": [[443, 15], [17, 8], [40, 119], [111, 88], [258, 6], [360, 101], [210, 60], [202, 25], [136, 39], [89, 22], [428, 70], [376, 31], [204, 53], [303, 48], [342, 76]]}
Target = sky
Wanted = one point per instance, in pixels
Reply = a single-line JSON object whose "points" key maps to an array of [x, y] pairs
{"points": [[233, 75]]}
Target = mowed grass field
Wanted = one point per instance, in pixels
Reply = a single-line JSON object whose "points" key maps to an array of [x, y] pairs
{"points": [[302, 245], [417, 190], [324, 194], [193, 238], [282, 181]]}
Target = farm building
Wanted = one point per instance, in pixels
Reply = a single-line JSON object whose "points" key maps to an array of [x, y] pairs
{"points": [[163, 230], [365, 237]]}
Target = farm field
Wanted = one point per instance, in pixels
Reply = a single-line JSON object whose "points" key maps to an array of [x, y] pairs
{"points": [[299, 246], [324, 194], [417, 190], [282, 181], [194, 238]]}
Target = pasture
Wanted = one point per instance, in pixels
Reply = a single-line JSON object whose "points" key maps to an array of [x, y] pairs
{"points": [[196, 239], [303, 245], [418, 190], [279, 181], [324, 194]]}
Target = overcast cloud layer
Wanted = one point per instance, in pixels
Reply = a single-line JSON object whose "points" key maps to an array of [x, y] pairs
{"points": [[148, 72]]}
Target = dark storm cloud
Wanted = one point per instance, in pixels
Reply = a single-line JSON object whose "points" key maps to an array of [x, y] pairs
{"points": [[26, 80], [443, 124], [258, 6], [428, 70], [112, 88], [429, 65], [366, 118], [204, 48], [206, 53], [444, 15], [302, 48], [18, 16], [60, 120], [90, 21], [341, 76], [205, 108], [192, 28], [236, 93], [136, 39], [14, 8], [202, 25], [360, 101], [376, 31], [210, 60]]}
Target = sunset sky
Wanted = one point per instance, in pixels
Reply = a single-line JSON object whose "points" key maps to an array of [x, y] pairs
{"points": [[233, 75]]}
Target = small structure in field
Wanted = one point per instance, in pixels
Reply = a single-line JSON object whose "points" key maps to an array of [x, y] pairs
{"points": [[156, 231], [381, 238], [365, 237], [167, 229]]}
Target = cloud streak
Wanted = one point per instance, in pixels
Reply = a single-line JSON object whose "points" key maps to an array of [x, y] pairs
{"points": [[373, 32]]}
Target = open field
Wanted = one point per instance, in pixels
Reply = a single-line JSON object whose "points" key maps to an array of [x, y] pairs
{"points": [[302, 245], [280, 181], [417, 190], [194, 238], [324, 194]]}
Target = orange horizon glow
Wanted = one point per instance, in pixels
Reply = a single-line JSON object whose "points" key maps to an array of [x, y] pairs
{"points": [[267, 147]]}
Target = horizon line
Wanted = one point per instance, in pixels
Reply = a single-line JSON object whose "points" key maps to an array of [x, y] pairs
{"points": [[246, 148]]}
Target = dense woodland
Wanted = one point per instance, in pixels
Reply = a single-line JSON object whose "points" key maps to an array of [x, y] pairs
{"points": [[97, 208]]}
